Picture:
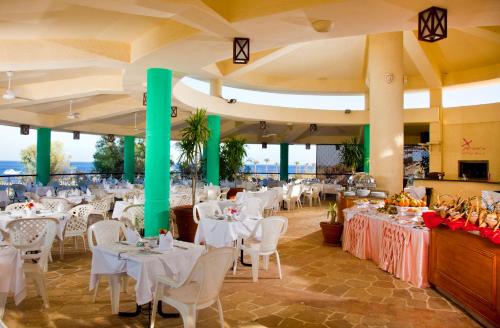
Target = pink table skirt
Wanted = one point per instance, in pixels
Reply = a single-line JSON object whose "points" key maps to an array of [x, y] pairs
{"points": [[398, 249]]}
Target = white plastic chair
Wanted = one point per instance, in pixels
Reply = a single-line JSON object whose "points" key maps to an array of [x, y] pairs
{"points": [[15, 207], [272, 229], [133, 216], [205, 210], [34, 234], [313, 194], [253, 208], [292, 198], [101, 207], [76, 226], [105, 233], [55, 204], [200, 290]]}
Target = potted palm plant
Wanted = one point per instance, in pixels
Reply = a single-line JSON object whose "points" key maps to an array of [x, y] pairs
{"points": [[332, 230], [351, 154], [232, 153], [194, 137]]}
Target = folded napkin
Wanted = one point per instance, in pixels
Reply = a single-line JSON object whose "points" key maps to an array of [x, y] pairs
{"points": [[89, 193], [60, 208], [166, 242], [132, 236], [137, 201], [49, 193]]}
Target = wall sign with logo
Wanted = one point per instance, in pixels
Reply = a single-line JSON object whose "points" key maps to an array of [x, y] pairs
{"points": [[470, 148]]}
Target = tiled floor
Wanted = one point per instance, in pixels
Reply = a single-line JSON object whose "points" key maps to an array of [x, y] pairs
{"points": [[322, 286]]}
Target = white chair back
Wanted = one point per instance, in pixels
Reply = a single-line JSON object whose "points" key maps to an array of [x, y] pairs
{"points": [[253, 207], [15, 207], [205, 210], [209, 271], [213, 192], [134, 214], [273, 228], [55, 204], [77, 224], [105, 233], [33, 234], [241, 197]]}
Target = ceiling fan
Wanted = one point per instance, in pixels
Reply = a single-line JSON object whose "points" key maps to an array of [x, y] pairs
{"points": [[135, 124], [71, 115], [9, 94]]}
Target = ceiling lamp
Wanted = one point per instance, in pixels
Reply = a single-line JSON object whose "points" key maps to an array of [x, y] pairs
{"points": [[241, 50], [71, 115], [264, 145], [432, 24], [76, 135], [308, 146], [25, 129], [322, 25]]}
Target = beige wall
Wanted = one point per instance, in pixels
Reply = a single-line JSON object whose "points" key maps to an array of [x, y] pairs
{"points": [[481, 126], [464, 189]]}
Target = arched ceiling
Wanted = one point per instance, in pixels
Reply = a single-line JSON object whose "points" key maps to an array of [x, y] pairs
{"points": [[97, 52]]}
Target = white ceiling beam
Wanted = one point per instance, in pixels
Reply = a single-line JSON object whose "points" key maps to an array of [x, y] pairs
{"points": [[230, 128], [295, 132], [429, 69]]}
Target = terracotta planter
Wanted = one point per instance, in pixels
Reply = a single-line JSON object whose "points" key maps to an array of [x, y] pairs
{"points": [[332, 232], [231, 194], [185, 224]]}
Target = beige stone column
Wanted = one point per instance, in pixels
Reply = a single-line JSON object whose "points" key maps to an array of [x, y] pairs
{"points": [[385, 71], [216, 88], [436, 133]]}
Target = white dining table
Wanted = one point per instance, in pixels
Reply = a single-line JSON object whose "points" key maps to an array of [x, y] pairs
{"points": [[62, 218], [219, 232], [13, 280], [113, 260], [119, 192]]}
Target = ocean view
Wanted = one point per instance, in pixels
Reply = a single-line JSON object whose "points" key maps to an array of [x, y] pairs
{"points": [[17, 167]]}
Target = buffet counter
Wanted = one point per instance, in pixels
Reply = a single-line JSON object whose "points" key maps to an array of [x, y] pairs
{"points": [[466, 188], [466, 268]]}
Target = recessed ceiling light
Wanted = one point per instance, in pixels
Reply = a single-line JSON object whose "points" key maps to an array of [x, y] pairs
{"points": [[322, 25]]}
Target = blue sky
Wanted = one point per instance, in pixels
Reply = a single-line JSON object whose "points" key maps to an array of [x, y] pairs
{"points": [[83, 149]]}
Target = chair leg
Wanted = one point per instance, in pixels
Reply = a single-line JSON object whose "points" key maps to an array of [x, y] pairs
{"points": [[76, 242], [124, 284], [188, 314], [84, 245], [266, 262], [156, 298], [40, 284], [221, 313], [98, 280], [114, 282], [255, 267], [61, 249], [279, 264], [235, 258]]}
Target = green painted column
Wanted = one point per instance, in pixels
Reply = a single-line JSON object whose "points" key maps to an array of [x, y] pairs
{"points": [[157, 175], [213, 150], [366, 148], [129, 159], [43, 155], [284, 162]]}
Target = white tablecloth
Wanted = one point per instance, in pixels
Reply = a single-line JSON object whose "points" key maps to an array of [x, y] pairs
{"points": [[222, 233], [12, 275], [118, 258], [62, 219]]}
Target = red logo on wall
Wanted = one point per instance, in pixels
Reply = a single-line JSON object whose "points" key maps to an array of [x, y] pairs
{"points": [[468, 149]]}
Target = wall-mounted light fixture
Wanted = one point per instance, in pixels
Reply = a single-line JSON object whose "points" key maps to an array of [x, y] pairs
{"points": [[241, 50], [76, 135], [433, 24], [25, 129]]}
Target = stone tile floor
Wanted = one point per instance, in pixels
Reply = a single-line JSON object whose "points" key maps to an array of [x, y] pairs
{"points": [[322, 286]]}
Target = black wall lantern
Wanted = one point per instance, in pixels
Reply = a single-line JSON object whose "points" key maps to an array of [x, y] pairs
{"points": [[25, 129], [110, 138], [173, 111], [313, 128], [432, 24], [308, 146], [262, 125], [241, 50], [144, 98], [76, 135], [264, 145]]}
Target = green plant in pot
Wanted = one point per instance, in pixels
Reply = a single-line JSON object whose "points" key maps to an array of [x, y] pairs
{"points": [[194, 137], [351, 154], [332, 229]]}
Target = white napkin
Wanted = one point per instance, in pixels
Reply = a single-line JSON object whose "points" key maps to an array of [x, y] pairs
{"points": [[89, 193], [49, 193], [60, 208], [166, 242], [137, 201], [132, 236]]}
